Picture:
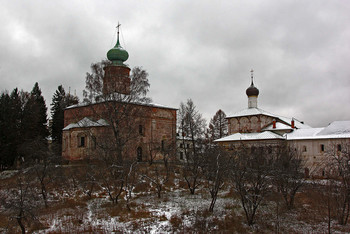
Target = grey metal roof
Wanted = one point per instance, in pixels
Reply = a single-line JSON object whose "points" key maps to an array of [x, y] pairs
{"points": [[336, 129], [86, 122]]}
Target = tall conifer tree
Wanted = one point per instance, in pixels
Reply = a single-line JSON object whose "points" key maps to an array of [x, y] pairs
{"points": [[10, 126], [34, 116], [218, 126], [60, 101]]}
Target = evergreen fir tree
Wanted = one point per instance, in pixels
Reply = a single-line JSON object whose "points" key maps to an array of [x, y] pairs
{"points": [[218, 126], [5, 154], [10, 125], [34, 124], [60, 101]]}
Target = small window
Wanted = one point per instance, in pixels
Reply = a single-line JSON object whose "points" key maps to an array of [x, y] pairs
{"points": [[81, 141], [141, 130], [139, 154], [93, 143], [304, 148], [162, 144], [188, 145], [181, 155], [339, 147], [181, 145], [322, 147]]}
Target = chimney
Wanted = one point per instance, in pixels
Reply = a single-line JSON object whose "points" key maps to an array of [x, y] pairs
{"points": [[293, 126], [274, 124]]}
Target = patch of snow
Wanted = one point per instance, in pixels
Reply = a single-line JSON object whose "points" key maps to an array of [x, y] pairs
{"points": [[250, 136]]}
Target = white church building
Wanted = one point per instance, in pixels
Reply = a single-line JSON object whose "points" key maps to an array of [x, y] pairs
{"points": [[254, 126]]}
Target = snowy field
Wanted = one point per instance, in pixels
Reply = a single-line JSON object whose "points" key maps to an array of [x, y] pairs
{"points": [[72, 211]]}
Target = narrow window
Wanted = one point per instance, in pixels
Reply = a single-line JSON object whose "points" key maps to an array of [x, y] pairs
{"points": [[81, 141], [322, 148], [339, 147], [188, 145], [141, 130], [162, 144], [181, 155], [181, 145], [139, 154]]}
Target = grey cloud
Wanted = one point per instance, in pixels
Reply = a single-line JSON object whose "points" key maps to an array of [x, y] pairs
{"points": [[191, 49]]}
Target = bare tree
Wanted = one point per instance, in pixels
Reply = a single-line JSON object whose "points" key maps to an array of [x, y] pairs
{"points": [[288, 173], [20, 201], [107, 172], [42, 162], [191, 128], [154, 149], [113, 180], [250, 171], [327, 195], [158, 173], [131, 178], [215, 169], [339, 167]]}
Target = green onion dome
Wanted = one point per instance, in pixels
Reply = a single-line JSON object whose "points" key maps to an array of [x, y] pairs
{"points": [[117, 55]]}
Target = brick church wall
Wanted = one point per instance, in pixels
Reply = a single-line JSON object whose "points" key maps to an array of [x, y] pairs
{"points": [[158, 128]]}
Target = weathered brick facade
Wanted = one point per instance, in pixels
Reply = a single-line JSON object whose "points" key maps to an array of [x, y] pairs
{"points": [[150, 129], [116, 79]]}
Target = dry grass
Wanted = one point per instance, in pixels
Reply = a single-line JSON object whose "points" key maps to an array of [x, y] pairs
{"points": [[228, 216]]}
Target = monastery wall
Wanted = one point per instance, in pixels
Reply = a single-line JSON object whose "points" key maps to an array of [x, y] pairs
{"points": [[318, 153]]}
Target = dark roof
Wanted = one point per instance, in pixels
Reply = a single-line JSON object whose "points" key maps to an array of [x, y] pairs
{"points": [[252, 90]]}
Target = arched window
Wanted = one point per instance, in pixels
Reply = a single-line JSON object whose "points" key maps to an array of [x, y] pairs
{"points": [[162, 145], [139, 154], [141, 130], [339, 147]]}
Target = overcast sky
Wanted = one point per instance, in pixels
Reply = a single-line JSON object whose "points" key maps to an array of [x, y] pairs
{"points": [[204, 50]]}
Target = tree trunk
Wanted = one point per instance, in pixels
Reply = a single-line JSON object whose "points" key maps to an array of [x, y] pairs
{"points": [[159, 191], [43, 193], [19, 221], [212, 204]]}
